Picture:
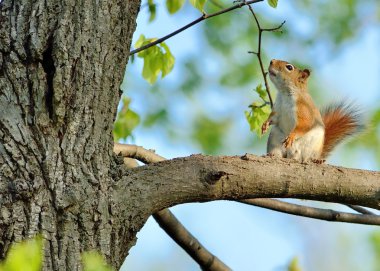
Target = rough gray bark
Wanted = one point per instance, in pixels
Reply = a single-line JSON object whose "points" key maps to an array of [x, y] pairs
{"points": [[61, 65]]}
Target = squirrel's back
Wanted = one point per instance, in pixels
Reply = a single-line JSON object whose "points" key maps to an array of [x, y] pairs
{"points": [[341, 120]]}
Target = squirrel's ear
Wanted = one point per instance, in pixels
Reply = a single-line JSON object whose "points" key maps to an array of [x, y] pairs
{"points": [[306, 73]]}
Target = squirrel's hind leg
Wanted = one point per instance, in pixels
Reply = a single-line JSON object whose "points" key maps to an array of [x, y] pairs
{"points": [[275, 146]]}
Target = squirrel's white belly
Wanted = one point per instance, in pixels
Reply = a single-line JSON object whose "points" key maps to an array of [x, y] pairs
{"points": [[287, 120], [309, 146], [282, 125]]}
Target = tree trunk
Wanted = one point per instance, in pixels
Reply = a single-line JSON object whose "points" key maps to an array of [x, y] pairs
{"points": [[61, 65]]}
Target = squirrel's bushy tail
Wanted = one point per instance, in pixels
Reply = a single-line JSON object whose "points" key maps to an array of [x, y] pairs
{"points": [[341, 120]]}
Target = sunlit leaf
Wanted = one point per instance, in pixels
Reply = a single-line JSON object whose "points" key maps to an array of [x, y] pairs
{"points": [[93, 261], [167, 61], [262, 92], [125, 122], [273, 3], [157, 59], [198, 4], [294, 265], [174, 5], [152, 10], [25, 256], [140, 41], [256, 117], [375, 242]]}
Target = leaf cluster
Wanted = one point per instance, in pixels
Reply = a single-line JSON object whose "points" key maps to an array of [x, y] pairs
{"points": [[157, 59], [27, 256], [173, 6], [126, 121], [259, 111]]}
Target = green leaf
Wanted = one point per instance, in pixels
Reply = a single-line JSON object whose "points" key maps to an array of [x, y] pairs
{"points": [[174, 5], [93, 261], [152, 10], [256, 117], [157, 59], [273, 3], [126, 121], [262, 92], [140, 41], [198, 4], [375, 242], [26, 256], [294, 265], [167, 61]]}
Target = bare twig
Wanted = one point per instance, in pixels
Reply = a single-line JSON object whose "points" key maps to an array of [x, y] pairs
{"points": [[360, 209], [168, 222], [366, 217], [258, 53], [200, 19], [317, 213], [137, 152], [259, 106]]}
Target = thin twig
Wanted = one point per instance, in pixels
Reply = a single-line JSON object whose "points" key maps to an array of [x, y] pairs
{"points": [[360, 209], [137, 152], [168, 222], [200, 19], [330, 215], [317, 213], [274, 28], [258, 53], [259, 106]]}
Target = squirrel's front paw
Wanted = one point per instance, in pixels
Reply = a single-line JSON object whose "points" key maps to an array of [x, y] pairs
{"points": [[288, 142], [265, 127]]}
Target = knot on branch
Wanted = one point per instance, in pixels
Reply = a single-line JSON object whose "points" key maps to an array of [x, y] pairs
{"points": [[212, 177], [248, 157]]}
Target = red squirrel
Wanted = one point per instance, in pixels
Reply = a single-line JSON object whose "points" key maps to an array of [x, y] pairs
{"points": [[299, 130]]}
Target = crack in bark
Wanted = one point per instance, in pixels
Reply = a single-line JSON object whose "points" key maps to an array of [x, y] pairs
{"points": [[49, 68]]}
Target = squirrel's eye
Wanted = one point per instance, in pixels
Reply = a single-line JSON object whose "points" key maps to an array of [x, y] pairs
{"points": [[289, 67]]}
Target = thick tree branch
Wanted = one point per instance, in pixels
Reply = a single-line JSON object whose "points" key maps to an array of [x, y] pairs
{"points": [[234, 178], [330, 215], [317, 213], [200, 19], [168, 222]]}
